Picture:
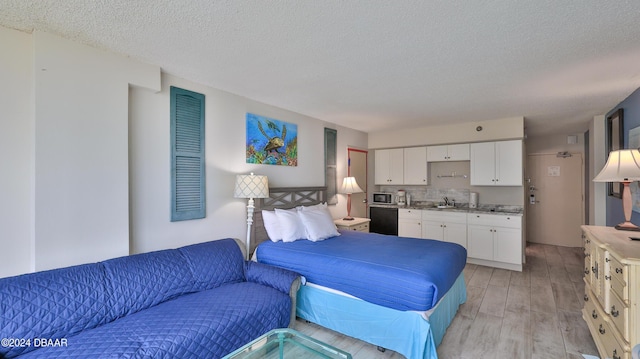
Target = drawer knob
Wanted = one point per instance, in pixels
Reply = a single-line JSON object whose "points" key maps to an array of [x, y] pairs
{"points": [[607, 260], [594, 314], [601, 329], [615, 354], [586, 298], [586, 271], [619, 270], [607, 277], [614, 312]]}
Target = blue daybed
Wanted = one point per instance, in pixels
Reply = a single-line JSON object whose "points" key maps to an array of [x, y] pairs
{"points": [[201, 300]]}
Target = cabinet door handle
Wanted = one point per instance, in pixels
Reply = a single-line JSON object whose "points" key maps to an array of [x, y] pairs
{"points": [[588, 241], [607, 277], [586, 271], [594, 314], [614, 312], [586, 298], [601, 329], [607, 260], [619, 270]]}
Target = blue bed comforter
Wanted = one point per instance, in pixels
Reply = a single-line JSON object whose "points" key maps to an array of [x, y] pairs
{"points": [[395, 272]]}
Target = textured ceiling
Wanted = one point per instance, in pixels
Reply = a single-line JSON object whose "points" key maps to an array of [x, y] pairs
{"points": [[372, 64]]}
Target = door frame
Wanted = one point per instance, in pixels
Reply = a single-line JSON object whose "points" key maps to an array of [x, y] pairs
{"points": [[364, 186]]}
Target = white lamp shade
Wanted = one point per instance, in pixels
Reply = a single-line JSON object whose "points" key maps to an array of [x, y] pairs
{"points": [[251, 186], [349, 185], [621, 166]]}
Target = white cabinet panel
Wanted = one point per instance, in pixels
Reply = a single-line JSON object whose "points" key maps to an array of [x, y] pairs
{"points": [[508, 242], [445, 226], [458, 152], [496, 163], [389, 166], [415, 166], [410, 223], [480, 242], [496, 238]]}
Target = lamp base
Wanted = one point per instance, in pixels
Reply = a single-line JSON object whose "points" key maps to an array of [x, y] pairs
{"points": [[627, 226], [348, 218]]}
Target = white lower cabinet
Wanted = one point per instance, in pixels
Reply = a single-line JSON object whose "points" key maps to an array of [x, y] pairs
{"points": [[445, 226], [496, 239], [410, 223]]}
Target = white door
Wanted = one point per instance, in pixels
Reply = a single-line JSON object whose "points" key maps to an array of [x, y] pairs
{"points": [[509, 163], [415, 166], [432, 230], [458, 152], [508, 246], [381, 170], [480, 242], [357, 167], [409, 228], [396, 166], [456, 233], [558, 209], [483, 164]]}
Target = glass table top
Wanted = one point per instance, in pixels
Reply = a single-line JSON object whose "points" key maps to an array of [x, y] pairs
{"points": [[287, 343]]}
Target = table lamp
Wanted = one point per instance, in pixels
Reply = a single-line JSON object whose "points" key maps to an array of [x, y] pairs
{"points": [[251, 186], [349, 186], [622, 166]]}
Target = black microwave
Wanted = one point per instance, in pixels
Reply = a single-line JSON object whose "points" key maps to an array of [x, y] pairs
{"points": [[382, 198]]}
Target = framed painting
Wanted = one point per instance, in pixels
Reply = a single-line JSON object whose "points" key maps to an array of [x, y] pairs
{"points": [[615, 140], [271, 141]]}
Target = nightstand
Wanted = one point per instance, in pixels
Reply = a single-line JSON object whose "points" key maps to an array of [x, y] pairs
{"points": [[357, 224]]}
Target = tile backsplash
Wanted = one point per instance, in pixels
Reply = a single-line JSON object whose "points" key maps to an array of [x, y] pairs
{"points": [[424, 194]]}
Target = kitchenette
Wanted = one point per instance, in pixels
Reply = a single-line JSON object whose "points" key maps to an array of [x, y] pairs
{"points": [[470, 194]]}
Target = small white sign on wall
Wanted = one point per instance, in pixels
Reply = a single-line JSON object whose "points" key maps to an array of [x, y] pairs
{"points": [[553, 171]]}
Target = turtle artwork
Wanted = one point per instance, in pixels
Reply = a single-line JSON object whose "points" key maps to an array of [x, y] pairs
{"points": [[271, 141]]}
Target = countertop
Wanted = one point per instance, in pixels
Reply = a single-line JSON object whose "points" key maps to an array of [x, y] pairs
{"points": [[487, 209]]}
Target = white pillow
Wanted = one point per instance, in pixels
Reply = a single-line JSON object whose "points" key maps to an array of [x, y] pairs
{"points": [[318, 224], [291, 226], [272, 225]]}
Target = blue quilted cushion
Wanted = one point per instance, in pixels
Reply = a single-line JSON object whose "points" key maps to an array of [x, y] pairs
{"points": [[215, 263], [208, 324], [52, 304], [143, 280]]}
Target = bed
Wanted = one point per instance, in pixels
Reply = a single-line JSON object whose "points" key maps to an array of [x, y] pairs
{"points": [[401, 310]]}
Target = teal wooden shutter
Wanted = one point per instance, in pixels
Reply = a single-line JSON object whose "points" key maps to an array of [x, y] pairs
{"points": [[330, 163], [187, 155]]}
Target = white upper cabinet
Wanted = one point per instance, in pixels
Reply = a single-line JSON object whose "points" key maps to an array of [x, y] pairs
{"points": [[458, 152], [389, 167], [496, 163], [415, 166]]}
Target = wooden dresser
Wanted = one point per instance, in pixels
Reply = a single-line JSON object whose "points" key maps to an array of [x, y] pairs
{"points": [[612, 289]]}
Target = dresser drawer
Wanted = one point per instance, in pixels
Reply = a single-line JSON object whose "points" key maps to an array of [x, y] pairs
{"points": [[364, 227], [619, 313], [619, 278], [613, 348]]}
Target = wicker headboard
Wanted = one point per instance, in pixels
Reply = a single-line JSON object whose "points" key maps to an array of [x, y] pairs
{"points": [[285, 198]]}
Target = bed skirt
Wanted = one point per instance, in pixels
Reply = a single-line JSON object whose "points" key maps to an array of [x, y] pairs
{"points": [[406, 332]]}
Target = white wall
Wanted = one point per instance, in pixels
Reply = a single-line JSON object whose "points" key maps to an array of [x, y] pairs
{"points": [[493, 130], [17, 148], [551, 144], [225, 130], [81, 153], [88, 175]]}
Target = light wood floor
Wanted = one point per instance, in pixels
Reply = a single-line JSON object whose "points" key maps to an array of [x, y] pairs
{"points": [[533, 314]]}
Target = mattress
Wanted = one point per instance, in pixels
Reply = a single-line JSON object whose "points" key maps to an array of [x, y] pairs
{"points": [[395, 272]]}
